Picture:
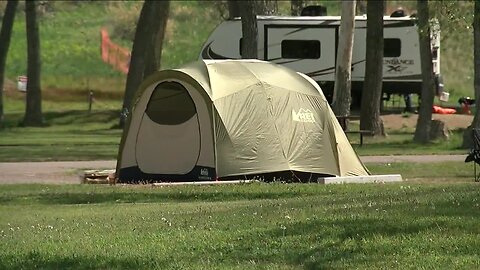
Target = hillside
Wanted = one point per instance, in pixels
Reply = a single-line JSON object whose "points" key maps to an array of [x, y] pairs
{"points": [[70, 43]]}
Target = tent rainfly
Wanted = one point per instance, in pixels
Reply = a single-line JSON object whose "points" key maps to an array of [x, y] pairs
{"points": [[233, 119]]}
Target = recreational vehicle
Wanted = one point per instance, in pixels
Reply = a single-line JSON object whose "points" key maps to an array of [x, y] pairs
{"points": [[308, 44]]}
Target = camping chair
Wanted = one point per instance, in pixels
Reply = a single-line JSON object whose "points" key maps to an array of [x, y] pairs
{"points": [[474, 154]]}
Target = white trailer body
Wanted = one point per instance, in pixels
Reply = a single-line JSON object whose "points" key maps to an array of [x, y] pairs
{"points": [[309, 45]]}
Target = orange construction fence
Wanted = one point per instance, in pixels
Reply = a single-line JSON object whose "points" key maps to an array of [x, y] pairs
{"points": [[113, 54]]}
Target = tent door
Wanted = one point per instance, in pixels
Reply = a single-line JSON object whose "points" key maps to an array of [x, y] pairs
{"points": [[168, 140]]}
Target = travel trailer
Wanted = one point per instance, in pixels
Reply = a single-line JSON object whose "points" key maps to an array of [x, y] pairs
{"points": [[308, 44]]}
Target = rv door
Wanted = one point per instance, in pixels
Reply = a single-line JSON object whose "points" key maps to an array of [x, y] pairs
{"points": [[309, 49]]}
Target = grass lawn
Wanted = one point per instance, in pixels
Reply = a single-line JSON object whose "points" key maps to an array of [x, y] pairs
{"points": [[257, 226], [401, 143], [70, 135]]}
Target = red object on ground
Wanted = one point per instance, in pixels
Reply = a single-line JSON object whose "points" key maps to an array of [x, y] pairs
{"points": [[440, 110], [466, 109], [113, 54]]}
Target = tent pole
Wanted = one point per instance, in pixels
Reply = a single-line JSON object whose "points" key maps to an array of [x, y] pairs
{"points": [[214, 141]]}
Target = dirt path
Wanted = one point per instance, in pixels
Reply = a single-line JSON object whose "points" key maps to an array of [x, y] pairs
{"points": [[70, 172], [60, 172]]}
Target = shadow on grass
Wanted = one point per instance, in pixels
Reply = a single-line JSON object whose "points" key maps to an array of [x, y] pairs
{"points": [[35, 260], [352, 240], [132, 197]]}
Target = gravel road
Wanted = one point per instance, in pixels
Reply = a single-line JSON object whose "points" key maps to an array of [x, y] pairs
{"points": [[63, 172]]}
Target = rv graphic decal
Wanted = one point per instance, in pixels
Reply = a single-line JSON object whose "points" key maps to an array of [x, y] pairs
{"points": [[321, 72], [284, 62], [303, 115], [330, 70], [396, 65], [395, 68], [295, 31], [208, 53]]}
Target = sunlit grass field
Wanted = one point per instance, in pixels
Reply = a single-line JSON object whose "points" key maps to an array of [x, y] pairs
{"points": [[255, 226]]}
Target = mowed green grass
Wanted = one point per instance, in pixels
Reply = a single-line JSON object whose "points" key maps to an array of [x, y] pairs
{"points": [[69, 135], [251, 226]]}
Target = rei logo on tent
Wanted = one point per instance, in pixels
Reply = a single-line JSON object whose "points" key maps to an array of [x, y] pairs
{"points": [[204, 172], [303, 115]]}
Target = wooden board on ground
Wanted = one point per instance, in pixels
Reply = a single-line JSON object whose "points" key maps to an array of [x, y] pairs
{"points": [[98, 176]]}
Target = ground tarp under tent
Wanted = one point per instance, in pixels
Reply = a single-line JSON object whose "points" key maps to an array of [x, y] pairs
{"points": [[233, 119]]}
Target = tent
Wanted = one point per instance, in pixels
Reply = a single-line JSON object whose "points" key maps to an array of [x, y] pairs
{"points": [[232, 119]]}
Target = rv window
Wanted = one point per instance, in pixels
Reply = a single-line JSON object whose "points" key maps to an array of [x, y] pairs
{"points": [[301, 49], [170, 104], [392, 47]]}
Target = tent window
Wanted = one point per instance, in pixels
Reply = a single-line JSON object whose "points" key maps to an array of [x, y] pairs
{"points": [[392, 47], [170, 104], [300, 49]]}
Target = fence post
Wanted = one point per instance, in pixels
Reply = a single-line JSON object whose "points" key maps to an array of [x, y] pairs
{"points": [[90, 101]]}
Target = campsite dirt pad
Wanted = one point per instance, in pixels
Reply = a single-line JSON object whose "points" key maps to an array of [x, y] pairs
{"points": [[453, 121]]}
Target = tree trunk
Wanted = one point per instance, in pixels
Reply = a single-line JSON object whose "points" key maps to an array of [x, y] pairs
{"points": [[233, 9], [154, 52], [33, 109], [249, 30], [361, 7], [343, 72], [137, 59], [266, 7], [372, 87], [422, 131], [467, 136], [296, 7], [5, 35]]}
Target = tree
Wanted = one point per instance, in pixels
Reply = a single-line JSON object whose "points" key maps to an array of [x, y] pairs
{"points": [[5, 35], [342, 89], [422, 131], [467, 137], [33, 108], [233, 8], [296, 7], [249, 30], [372, 87], [266, 7], [361, 7], [154, 52], [146, 31]]}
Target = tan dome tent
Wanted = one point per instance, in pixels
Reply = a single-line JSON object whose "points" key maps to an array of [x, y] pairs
{"points": [[232, 119]]}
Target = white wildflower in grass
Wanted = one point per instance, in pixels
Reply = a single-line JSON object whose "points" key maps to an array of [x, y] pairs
{"points": [[284, 228]]}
